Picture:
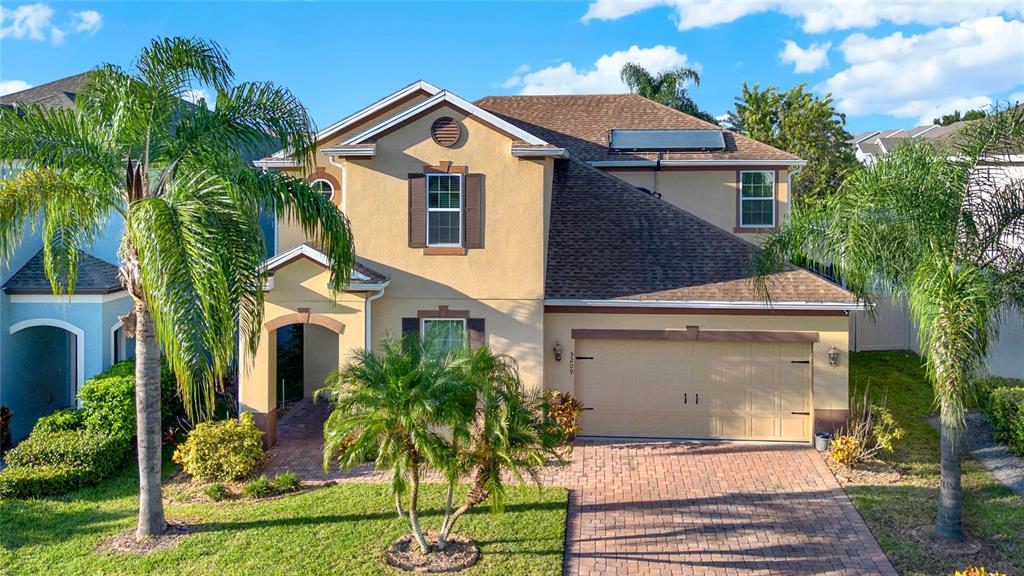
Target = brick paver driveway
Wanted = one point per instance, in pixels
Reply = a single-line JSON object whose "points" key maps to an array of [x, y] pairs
{"points": [[668, 508], [675, 508]]}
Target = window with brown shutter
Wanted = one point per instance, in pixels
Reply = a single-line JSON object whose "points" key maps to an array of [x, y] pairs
{"points": [[417, 211], [474, 211]]}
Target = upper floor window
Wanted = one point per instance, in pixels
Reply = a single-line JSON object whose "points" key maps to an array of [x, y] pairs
{"points": [[324, 187], [757, 199], [444, 209]]}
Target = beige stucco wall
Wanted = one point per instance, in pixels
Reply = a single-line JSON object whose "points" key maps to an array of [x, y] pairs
{"points": [[301, 284], [830, 384], [710, 194], [503, 282]]}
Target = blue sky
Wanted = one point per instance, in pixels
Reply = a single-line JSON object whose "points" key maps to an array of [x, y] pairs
{"points": [[888, 64]]}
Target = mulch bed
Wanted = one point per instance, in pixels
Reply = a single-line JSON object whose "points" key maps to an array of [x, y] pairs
{"points": [[126, 543], [872, 472], [405, 555]]}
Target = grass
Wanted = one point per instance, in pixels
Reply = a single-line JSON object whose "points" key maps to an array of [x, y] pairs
{"points": [[342, 529], [993, 514]]}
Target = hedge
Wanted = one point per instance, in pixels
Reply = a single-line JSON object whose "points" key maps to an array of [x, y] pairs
{"points": [[1005, 411], [221, 451], [101, 454], [42, 481], [60, 421]]}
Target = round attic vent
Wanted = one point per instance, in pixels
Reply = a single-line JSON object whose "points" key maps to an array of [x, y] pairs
{"points": [[446, 131]]}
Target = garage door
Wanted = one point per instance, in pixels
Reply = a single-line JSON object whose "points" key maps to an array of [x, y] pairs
{"points": [[672, 389]]}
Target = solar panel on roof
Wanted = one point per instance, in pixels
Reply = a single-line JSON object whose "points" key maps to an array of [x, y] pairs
{"points": [[667, 140]]}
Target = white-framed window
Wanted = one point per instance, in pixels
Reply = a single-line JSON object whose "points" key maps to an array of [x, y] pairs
{"points": [[451, 333], [757, 199], [324, 187], [444, 210]]}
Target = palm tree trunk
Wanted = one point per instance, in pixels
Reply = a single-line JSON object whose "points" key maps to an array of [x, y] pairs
{"points": [[147, 413], [448, 507], [949, 522], [477, 495], [414, 517]]}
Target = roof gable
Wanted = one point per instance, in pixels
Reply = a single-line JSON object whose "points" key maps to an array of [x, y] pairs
{"points": [[94, 276], [56, 94], [445, 98]]}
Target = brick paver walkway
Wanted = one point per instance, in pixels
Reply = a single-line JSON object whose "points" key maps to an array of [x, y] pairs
{"points": [[678, 508]]}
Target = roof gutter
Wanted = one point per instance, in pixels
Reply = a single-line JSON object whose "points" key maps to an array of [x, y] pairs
{"points": [[705, 304], [529, 152], [654, 163]]}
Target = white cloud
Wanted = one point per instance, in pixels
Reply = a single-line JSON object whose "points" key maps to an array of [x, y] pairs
{"points": [[912, 76], [926, 110], [12, 86], [88, 21], [814, 57], [818, 16], [35, 22], [603, 77], [195, 95], [1016, 97], [29, 21]]}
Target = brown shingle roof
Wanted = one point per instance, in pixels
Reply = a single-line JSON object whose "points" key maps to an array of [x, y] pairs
{"points": [[610, 241], [57, 94], [581, 124]]}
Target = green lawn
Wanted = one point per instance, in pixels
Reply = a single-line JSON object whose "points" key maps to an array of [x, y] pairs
{"points": [[993, 513], [339, 530]]}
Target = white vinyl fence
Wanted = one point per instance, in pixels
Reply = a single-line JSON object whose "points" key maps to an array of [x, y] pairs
{"points": [[891, 329]]}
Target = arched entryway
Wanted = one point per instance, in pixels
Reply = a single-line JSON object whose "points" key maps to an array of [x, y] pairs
{"points": [[52, 379]]}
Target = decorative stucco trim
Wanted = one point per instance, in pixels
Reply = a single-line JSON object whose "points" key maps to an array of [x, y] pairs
{"points": [[304, 318]]}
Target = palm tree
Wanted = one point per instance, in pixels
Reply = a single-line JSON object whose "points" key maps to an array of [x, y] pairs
{"points": [[393, 406], [177, 174], [508, 433], [944, 229], [668, 88]]}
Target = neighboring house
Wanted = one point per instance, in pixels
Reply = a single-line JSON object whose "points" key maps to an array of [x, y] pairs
{"points": [[603, 241], [49, 345], [891, 328]]}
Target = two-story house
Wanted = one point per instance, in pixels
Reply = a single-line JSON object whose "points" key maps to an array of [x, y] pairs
{"points": [[602, 241]]}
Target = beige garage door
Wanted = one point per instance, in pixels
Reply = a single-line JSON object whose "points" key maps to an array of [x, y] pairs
{"points": [[666, 389]]}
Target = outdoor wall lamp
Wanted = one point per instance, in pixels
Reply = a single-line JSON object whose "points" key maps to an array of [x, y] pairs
{"points": [[557, 349], [833, 356]]}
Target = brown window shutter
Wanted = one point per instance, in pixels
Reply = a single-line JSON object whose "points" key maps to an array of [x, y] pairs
{"points": [[477, 336], [410, 325], [417, 211], [474, 212]]}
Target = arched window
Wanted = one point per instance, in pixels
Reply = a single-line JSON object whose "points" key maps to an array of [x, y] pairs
{"points": [[324, 187]]}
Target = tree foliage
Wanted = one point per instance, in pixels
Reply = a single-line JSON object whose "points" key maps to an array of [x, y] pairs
{"points": [[956, 116], [942, 228], [802, 124], [668, 88], [178, 175]]}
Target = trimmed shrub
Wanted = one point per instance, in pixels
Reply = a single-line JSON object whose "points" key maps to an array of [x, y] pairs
{"points": [[62, 420], [1005, 411], [98, 454], [217, 491], [287, 481], [986, 385], [258, 488], [846, 450], [221, 451], [42, 481], [977, 571], [109, 401]]}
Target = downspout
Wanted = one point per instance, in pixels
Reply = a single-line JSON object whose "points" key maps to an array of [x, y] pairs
{"points": [[368, 314], [344, 192]]}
